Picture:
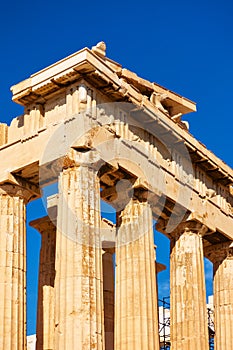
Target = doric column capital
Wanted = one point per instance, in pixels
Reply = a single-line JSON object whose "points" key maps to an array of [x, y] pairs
{"points": [[12, 190], [159, 267], [180, 227], [42, 225], [189, 226], [87, 157], [218, 252], [125, 189], [74, 158]]}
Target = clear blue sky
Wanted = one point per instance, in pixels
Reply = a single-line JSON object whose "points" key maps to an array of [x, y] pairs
{"points": [[182, 45]]}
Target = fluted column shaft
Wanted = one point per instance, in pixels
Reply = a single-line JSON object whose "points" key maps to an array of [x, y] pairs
{"points": [[136, 318], [79, 320], [45, 309], [189, 328], [222, 257], [13, 267], [108, 288]]}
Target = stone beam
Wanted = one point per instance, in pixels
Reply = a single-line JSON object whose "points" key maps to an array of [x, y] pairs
{"points": [[209, 214]]}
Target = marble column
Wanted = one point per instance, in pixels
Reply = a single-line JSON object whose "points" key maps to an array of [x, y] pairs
{"points": [[108, 288], [13, 200], [45, 309], [222, 257], [79, 316], [189, 327], [136, 304]]}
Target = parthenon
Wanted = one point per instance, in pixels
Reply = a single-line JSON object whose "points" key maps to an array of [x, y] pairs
{"points": [[105, 134]]}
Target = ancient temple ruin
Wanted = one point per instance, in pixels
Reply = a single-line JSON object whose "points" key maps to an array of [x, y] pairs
{"points": [[103, 133]]}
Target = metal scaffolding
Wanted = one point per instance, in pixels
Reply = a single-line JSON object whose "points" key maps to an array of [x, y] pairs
{"points": [[164, 325], [211, 328]]}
